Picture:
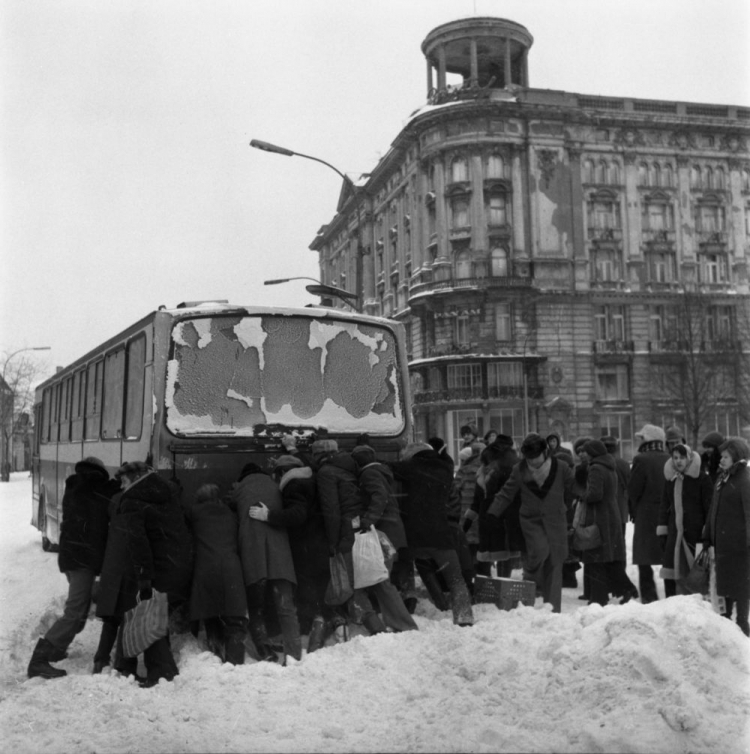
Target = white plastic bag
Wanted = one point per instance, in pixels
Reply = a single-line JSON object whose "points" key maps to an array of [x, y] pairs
{"points": [[367, 556]]}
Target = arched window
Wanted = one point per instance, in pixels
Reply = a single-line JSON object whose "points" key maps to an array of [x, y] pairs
{"points": [[643, 174], [459, 170], [601, 172], [746, 179], [614, 173], [695, 177], [460, 212], [708, 178], [497, 210], [656, 175], [668, 175], [588, 171], [719, 178], [495, 166], [463, 265], [499, 263]]}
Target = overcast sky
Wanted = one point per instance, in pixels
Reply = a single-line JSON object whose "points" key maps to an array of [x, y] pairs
{"points": [[127, 179]]}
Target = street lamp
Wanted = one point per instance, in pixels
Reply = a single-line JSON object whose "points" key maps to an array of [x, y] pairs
{"points": [[8, 416], [356, 191], [319, 289]]}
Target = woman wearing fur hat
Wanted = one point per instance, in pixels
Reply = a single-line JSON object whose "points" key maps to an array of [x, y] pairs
{"points": [[711, 457], [644, 499], [684, 508], [600, 499], [727, 530], [544, 485], [83, 539], [149, 547]]}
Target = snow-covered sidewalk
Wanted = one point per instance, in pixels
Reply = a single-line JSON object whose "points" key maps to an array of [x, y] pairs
{"points": [[667, 677]]}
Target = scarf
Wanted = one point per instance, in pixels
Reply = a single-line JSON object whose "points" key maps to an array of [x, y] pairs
{"points": [[540, 475]]}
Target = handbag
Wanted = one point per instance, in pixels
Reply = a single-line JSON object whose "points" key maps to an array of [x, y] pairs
{"points": [[339, 588], [367, 556], [698, 578], [145, 624], [585, 537]]}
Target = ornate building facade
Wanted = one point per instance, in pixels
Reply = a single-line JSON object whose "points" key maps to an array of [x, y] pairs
{"points": [[561, 262]]}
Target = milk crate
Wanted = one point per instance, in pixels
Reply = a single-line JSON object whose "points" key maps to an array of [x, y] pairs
{"points": [[505, 593]]}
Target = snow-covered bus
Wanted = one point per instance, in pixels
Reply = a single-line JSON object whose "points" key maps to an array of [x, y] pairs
{"points": [[202, 389]]}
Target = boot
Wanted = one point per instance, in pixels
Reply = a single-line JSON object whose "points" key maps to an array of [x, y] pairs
{"points": [[39, 666], [235, 648], [317, 635], [373, 623]]}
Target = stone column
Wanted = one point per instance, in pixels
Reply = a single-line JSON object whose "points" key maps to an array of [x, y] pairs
{"points": [[474, 81], [441, 68], [683, 213], [429, 77], [478, 215], [517, 199], [507, 70], [525, 68], [441, 219]]}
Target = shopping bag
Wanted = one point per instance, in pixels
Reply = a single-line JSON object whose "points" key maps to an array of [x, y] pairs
{"points": [[698, 577], [145, 624], [583, 538], [390, 553], [367, 555], [339, 587]]}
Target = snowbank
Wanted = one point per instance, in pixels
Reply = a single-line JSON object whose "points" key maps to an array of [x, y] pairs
{"points": [[666, 677]]}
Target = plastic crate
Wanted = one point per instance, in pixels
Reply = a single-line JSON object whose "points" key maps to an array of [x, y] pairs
{"points": [[505, 593]]}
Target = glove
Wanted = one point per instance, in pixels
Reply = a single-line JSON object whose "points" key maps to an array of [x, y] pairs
{"points": [[466, 525], [145, 592]]}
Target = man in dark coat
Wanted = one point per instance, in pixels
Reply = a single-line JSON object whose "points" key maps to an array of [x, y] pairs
{"points": [[149, 547], [83, 538], [217, 595], [267, 563], [600, 501], [710, 455], [644, 496], [427, 480]]}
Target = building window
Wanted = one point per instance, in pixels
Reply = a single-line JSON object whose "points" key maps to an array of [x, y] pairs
{"points": [[499, 262], [614, 173], [719, 323], [459, 212], [696, 178], [657, 215], [588, 171], [497, 210], [668, 176], [709, 218], [746, 179], [603, 213], [643, 174], [459, 170], [609, 323], [719, 178], [464, 376], [495, 168], [612, 383], [621, 427], [508, 421], [601, 172], [714, 268], [502, 322], [660, 267], [504, 374], [662, 324], [463, 265], [461, 330], [607, 265]]}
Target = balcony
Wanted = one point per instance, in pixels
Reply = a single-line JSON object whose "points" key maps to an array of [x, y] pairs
{"points": [[612, 346], [463, 284], [667, 346], [658, 240], [604, 237], [721, 345], [457, 394]]}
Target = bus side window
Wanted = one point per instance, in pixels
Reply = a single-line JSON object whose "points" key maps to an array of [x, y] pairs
{"points": [[134, 388], [46, 414], [66, 404], [55, 424], [79, 404], [94, 400], [112, 405]]}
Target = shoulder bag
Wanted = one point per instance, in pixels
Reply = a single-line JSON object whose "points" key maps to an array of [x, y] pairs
{"points": [[585, 537], [145, 624]]}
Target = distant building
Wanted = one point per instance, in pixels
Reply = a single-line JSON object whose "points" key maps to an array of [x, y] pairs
{"points": [[540, 247]]}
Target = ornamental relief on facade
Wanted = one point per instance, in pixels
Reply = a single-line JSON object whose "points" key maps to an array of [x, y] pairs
{"points": [[546, 162], [629, 138]]}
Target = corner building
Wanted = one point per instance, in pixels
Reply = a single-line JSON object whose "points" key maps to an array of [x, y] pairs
{"points": [[537, 244]]}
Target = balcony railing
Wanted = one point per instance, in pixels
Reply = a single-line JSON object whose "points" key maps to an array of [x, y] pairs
{"points": [[717, 345], [667, 346], [721, 345], [511, 281], [605, 235], [658, 237], [613, 346], [712, 237]]}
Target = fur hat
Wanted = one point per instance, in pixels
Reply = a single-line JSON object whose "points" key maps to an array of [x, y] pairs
{"points": [[133, 468], [651, 433], [737, 448], [533, 445], [580, 442], [610, 442], [285, 462], [89, 464], [469, 428], [594, 448], [437, 443], [713, 439], [504, 440], [413, 448], [364, 454], [674, 434], [324, 446]]}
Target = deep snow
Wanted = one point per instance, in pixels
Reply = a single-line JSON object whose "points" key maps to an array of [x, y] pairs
{"points": [[667, 677]]}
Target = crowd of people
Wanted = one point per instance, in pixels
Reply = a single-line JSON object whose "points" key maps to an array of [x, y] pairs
{"points": [[255, 562]]}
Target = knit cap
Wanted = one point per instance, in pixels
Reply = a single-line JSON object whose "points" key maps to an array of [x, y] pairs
{"points": [[364, 454], [713, 439], [594, 448]]}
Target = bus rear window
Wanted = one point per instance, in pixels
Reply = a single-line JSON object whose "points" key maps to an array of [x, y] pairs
{"points": [[230, 374]]}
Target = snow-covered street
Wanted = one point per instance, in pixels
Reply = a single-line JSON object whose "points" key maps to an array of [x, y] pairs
{"points": [[671, 676]]}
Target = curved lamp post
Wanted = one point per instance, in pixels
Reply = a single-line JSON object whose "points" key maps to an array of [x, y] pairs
{"points": [[319, 289], [9, 415]]}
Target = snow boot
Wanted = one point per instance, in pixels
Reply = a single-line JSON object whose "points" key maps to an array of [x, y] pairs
{"points": [[317, 636], [39, 666], [373, 623]]}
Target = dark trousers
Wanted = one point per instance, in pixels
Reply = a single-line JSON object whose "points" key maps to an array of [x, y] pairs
{"points": [[282, 592], [621, 584], [742, 609], [443, 565], [481, 567], [646, 584], [225, 637], [603, 581], [548, 577], [73, 620]]}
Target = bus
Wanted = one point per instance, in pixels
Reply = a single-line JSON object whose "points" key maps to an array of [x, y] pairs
{"points": [[200, 390]]}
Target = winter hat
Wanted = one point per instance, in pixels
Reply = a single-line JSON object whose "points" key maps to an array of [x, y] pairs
{"points": [[470, 428], [413, 448], [89, 464], [737, 448], [651, 433], [207, 492], [324, 446], [363, 454], [674, 434], [465, 454], [580, 442], [610, 442], [504, 440], [284, 462], [594, 448], [713, 439], [437, 443], [533, 445], [133, 468]]}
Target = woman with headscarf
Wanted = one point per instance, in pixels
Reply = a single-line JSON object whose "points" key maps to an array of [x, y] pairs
{"points": [[644, 500], [727, 530], [684, 509]]}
